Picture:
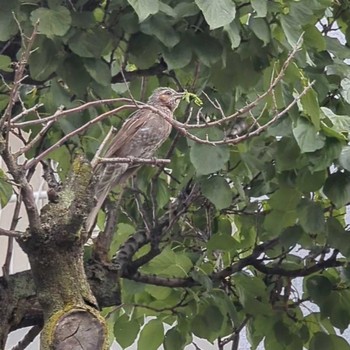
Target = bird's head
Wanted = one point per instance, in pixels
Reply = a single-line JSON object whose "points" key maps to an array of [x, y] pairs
{"points": [[166, 97]]}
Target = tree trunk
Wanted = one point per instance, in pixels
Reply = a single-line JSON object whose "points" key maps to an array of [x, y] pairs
{"points": [[71, 316]]}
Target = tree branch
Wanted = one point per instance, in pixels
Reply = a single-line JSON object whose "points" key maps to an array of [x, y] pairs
{"points": [[10, 233], [28, 338], [18, 76], [59, 143], [134, 160]]}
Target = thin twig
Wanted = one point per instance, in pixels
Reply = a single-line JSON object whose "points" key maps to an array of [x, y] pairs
{"points": [[19, 74], [63, 113], [25, 112], [36, 139], [254, 103], [112, 131], [9, 250]]}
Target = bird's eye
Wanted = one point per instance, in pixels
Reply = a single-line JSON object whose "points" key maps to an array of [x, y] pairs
{"points": [[167, 93]]}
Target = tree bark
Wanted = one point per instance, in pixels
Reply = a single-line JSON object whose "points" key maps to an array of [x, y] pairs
{"points": [[55, 251]]}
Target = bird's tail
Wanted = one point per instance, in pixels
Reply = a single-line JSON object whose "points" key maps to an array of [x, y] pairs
{"points": [[108, 177]]}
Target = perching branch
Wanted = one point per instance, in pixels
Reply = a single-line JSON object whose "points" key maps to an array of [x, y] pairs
{"points": [[134, 160]]}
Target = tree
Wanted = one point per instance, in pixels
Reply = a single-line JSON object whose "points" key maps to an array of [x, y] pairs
{"points": [[205, 238]]}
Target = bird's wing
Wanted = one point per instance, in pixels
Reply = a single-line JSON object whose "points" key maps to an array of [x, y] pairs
{"points": [[129, 128]]}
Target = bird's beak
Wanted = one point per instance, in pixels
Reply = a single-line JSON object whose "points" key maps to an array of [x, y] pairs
{"points": [[179, 95]]}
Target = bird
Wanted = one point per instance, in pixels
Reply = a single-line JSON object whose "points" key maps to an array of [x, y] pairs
{"points": [[139, 137]]}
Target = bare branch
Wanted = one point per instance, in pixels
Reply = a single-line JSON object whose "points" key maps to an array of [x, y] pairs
{"points": [[60, 113], [9, 233], [59, 143], [19, 76], [35, 140], [112, 131], [134, 160], [27, 194], [102, 243], [9, 251], [254, 103], [25, 112], [28, 338]]}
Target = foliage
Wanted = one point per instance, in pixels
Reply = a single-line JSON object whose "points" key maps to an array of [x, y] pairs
{"points": [[229, 261]]}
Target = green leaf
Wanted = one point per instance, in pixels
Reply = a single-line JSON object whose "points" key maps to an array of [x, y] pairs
{"points": [[126, 330], [217, 13], [310, 182], [338, 238], [285, 199], [208, 323], [345, 84], [314, 38], [5, 63], [5, 189], [144, 8], [151, 336], [202, 278], [324, 157], [307, 137], [260, 29], [288, 154], [260, 6], [222, 241], [344, 158], [337, 188], [179, 56], [323, 341], [45, 60], [318, 288], [174, 340], [291, 30], [311, 216], [52, 22], [311, 107], [90, 43], [74, 74], [98, 70], [277, 220], [170, 263], [232, 31], [217, 190], [208, 159], [161, 28], [8, 25], [143, 50], [341, 123], [207, 48]]}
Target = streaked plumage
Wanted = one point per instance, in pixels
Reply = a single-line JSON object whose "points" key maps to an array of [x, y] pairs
{"points": [[140, 136]]}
